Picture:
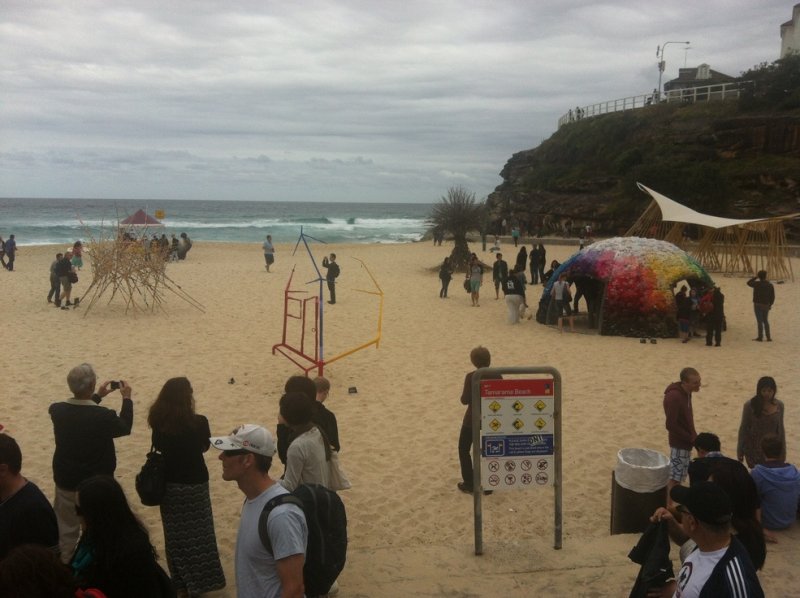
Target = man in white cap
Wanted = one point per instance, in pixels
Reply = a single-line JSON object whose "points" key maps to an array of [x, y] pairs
{"points": [[246, 458]]}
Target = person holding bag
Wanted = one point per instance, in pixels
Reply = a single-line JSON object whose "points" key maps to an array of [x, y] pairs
{"points": [[310, 458], [182, 436]]}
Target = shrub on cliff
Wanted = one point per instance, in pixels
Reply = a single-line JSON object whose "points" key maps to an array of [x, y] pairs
{"points": [[775, 85]]}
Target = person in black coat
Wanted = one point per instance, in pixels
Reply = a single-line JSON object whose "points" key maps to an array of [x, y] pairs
{"points": [[715, 318], [533, 257]]}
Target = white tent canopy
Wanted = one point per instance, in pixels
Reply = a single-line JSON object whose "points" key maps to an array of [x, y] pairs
{"points": [[672, 211]]}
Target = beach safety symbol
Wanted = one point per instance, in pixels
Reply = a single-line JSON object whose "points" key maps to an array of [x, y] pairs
{"points": [[510, 465], [494, 466], [540, 405], [511, 479], [495, 406], [495, 425], [526, 478], [540, 423], [518, 406], [542, 464], [541, 478], [526, 465], [494, 480], [518, 424]]}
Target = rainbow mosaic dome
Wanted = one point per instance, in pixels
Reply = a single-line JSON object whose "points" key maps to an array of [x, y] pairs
{"points": [[634, 278]]}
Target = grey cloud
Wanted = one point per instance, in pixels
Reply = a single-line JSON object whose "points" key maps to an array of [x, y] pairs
{"points": [[303, 96]]}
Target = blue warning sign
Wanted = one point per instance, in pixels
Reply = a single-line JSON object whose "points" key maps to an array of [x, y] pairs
{"points": [[518, 445]]}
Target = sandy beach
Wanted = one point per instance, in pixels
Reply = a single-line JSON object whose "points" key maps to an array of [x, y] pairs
{"points": [[411, 530]]}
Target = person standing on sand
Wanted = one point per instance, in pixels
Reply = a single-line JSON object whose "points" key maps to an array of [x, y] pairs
{"points": [[11, 252], [55, 282], [475, 277], [499, 273], [332, 275], [63, 269], [763, 298], [77, 255], [761, 416], [563, 298], [84, 440], [542, 262], [246, 457], [514, 290], [716, 317], [680, 424], [3, 252], [190, 542], [269, 252], [480, 358], [445, 275], [533, 257]]}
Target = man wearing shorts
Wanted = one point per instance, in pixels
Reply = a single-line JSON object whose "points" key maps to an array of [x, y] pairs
{"points": [[680, 424], [269, 252], [499, 273]]}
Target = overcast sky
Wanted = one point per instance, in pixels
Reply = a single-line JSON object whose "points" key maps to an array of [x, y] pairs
{"points": [[380, 100]]}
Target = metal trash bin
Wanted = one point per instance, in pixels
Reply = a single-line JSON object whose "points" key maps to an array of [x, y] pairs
{"points": [[638, 488]]}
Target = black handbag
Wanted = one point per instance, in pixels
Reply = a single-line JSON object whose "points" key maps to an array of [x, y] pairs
{"points": [[151, 483]]}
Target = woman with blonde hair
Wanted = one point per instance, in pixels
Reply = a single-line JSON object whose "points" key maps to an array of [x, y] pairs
{"points": [[182, 436]]}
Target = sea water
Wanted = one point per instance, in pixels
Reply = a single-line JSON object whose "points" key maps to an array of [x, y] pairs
{"points": [[63, 221]]}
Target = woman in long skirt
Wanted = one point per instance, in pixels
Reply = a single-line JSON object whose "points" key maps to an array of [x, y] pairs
{"points": [[182, 436]]}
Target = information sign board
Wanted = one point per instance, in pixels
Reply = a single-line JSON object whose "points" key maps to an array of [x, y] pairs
{"points": [[517, 433]]}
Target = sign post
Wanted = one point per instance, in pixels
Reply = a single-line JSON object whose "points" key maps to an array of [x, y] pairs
{"points": [[516, 423]]}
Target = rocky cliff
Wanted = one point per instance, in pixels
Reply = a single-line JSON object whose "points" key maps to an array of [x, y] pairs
{"points": [[707, 156]]}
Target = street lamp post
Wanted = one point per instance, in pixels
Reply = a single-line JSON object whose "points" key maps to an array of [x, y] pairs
{"points": [[661, 63]]}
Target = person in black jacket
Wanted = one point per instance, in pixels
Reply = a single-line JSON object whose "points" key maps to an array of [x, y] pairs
{"points": [[26, 516], [332, 275], [323, 416], [62, 269], [715, 317], [84, 438], [763, 298], [514, 290]]}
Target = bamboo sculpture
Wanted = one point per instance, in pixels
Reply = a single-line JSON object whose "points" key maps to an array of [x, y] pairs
{"points": [[124, 266]]}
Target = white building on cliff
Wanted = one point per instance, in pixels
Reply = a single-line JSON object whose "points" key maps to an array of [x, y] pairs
{"points": [[790, 33]]}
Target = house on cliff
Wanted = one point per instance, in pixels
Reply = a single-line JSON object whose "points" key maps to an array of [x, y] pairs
{"points": [[790, 33], [700, 76]]}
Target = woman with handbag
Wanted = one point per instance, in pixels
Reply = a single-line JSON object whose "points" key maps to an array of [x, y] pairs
{"points": [[182, 436], [114, 553], [310, 458]]}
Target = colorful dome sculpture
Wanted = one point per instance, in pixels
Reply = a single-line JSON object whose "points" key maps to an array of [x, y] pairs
{"points": [[628, 283]]}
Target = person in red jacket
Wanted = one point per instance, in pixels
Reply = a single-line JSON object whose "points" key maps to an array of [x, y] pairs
{"points": [[680, 423]]}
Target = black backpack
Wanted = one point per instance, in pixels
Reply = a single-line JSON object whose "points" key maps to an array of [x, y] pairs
{"points": [[327, 534]]}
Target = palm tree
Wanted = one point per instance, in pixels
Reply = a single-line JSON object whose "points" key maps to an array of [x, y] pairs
{"points": [[459, 214]]}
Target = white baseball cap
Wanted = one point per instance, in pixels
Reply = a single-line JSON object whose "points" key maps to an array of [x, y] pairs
{"points": [[248, 437]]}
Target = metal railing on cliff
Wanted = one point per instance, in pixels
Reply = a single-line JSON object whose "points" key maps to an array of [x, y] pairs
{"points": [[709, 93]]}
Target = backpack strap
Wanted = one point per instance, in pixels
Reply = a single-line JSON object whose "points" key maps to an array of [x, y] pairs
{"points": [[283, 499]]}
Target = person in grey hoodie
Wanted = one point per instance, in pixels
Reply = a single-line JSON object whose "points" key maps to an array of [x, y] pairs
{"points": [[778, 485]]}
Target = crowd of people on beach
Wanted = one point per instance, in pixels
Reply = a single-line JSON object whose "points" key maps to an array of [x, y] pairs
{"points": [[724, 518], [729, 512], [91, 543], [698, 308]]}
